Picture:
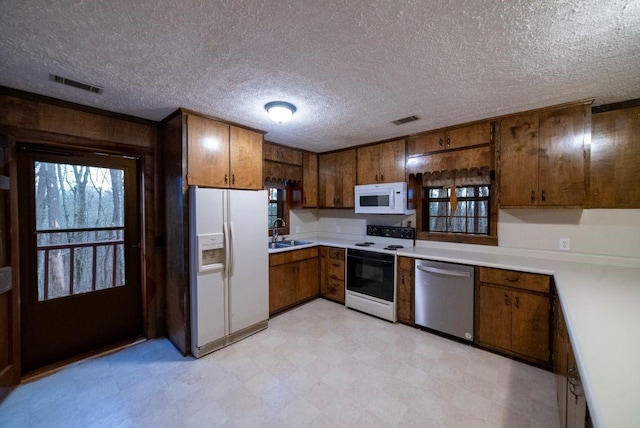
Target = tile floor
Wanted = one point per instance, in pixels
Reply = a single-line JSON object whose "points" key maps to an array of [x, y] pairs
{"points": [[319, 365]]}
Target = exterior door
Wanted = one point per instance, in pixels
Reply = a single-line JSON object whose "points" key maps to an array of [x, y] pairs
{"points": [[80, 253]]}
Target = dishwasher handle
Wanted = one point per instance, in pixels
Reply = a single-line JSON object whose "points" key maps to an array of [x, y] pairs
{"points": [[447, 272]]}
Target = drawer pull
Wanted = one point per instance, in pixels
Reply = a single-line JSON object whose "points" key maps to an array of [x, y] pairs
{"points": [[517, 302], [510, 279], [506, 299]]}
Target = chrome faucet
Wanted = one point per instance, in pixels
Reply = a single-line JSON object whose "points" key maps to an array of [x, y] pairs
{"points": [[275, 229]]}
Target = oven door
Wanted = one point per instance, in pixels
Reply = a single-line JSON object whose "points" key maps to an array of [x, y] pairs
{"points": [[371, 274]]}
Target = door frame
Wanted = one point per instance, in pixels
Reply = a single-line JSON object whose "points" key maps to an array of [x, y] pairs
{"points": [[148, 157], [10, 375]]}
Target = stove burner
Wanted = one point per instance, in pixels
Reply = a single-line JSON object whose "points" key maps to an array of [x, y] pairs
{"points": [[393, 247], [364, 244]]}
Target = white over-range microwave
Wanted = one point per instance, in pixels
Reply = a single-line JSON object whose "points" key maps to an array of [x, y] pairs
{"points": [[385, 198]]}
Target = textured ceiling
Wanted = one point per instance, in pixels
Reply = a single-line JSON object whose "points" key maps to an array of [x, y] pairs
{"points": [[351, 67]]}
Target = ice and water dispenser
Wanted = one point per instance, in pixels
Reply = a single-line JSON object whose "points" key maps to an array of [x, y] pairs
{"points": [[211, 251]]}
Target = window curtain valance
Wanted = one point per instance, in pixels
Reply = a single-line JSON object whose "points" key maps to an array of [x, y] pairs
{"points": [[474, 176], [281, 183]]}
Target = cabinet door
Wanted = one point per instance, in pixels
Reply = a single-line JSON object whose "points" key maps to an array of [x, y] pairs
{"points": [[245, 159], [369, 165], [562, 157], [468, 136], [530, 325], [307, 286], [392, 161], [282, 286], [405, 305], [309, 180], [425, 143], [614, 159], [327, 180], [493, 307], [347, 178], [519, 161], [207, 152]]}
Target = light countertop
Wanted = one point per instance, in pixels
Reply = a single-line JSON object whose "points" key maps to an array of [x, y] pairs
{"points": [[600, 297]]}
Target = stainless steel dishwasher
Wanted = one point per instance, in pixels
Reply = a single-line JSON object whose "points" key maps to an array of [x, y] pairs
{"points": [[444, 297]]}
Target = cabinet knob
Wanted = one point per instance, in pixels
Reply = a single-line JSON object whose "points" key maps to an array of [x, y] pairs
{"points": [[233, 179], [381, 177], [226, 178], [441, 142], [376, 178], [448, 142], [543, 196], [533, 196], [506, 299]]}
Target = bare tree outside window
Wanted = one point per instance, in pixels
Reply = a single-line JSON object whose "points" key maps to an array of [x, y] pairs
{"points": [[80, 228]]}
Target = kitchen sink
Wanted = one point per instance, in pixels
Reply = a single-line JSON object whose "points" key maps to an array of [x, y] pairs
{"points": [[276, 245], [287, 244], [294, 242]]}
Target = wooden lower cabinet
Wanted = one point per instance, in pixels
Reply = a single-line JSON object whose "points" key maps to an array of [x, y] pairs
{"points": [[405, 307], [513, 314], [572, 404], [293, 278], [332, 273]]}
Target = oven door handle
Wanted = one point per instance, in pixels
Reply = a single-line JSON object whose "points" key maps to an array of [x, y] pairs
{"points": [[447, 272], [386, 262]]}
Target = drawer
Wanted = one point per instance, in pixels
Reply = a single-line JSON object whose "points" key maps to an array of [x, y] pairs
{"points": [[335, 269], [292, 256], [335, 290], [335, 253], [509, 278], [405, 263]]}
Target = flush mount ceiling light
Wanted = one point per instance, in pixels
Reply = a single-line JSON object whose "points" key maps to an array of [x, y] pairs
{"points": [[280, 111]]}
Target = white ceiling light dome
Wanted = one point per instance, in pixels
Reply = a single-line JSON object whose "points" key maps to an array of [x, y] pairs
{"points": [[280, 111]]}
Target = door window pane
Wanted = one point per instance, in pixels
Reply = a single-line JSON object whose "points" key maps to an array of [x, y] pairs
{"points": [[79, 228]]}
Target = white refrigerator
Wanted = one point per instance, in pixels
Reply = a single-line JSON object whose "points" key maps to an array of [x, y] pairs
{"points": [[229, 264]]}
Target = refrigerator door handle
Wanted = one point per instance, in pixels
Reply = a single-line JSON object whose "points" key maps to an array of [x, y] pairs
{"points": [[231, 232], [225, 227]]}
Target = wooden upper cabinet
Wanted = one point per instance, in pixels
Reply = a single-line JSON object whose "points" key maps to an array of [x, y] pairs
{"points": [[309, 180], [542, 158], [207, 152], [519, 160], [245, 159], [615, 159], [220, 155], [282, 154], [466, 136], [381, 163], [455, 138], [337, 178], [562, 163]]}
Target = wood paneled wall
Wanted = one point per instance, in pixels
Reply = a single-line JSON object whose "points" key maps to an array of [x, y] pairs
{"points": [[31, 119]]}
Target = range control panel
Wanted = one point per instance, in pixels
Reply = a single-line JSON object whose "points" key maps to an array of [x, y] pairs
{"points": [[392, 231]]}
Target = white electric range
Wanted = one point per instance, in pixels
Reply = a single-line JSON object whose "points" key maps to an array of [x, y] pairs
{"points": [[371, 270]]}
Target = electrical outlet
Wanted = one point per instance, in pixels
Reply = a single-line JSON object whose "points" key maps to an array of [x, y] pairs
{"points": [[564, 244], [337, 228]]}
